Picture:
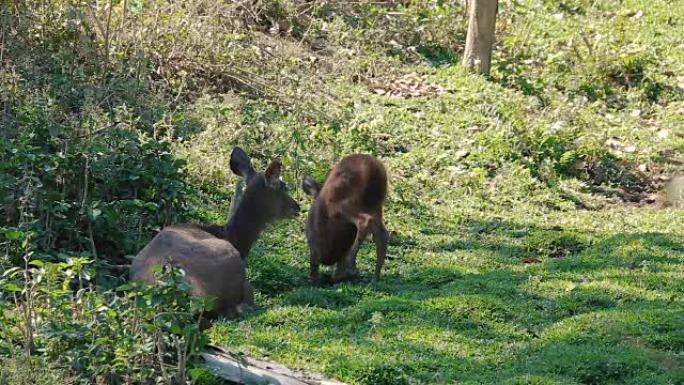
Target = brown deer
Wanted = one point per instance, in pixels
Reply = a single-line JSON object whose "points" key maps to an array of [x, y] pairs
{"points": [[214, 256], [345, 209]]}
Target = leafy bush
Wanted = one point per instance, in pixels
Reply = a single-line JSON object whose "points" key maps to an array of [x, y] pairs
{"points": [[135, 334], [80, 166], [103, 196]]}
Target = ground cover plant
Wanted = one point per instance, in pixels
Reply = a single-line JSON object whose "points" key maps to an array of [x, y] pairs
{"points": [[530, 243]]}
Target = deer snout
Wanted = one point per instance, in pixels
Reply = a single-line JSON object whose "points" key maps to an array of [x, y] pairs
{"points": [[293, 209]]}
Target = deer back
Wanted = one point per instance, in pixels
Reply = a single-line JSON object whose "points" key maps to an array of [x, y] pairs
{"points": [[213, 266], [357, 183]]}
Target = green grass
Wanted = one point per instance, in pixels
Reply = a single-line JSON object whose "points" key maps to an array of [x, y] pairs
{"points": [[490, 175], [457, 304]]}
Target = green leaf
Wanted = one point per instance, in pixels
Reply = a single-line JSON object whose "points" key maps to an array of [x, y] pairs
{"points": [[94, 213], [135, 6], [567, 158], [14, 234], [175, 329], [151, 206], [11, 272], [124, 287], [12, 287]]}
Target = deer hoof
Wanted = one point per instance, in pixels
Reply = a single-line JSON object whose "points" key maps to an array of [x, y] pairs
{"points": [[205, 324], [243, 308], [325, 280]]}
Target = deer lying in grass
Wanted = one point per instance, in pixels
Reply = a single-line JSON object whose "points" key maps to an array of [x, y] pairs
{"points": [[214, 256], [345, 209]]}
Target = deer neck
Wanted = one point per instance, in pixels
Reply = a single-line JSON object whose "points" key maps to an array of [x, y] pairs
{"points": [[244, 227]]}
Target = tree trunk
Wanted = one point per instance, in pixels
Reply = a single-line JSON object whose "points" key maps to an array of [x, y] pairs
{"points": [[481, 26]]}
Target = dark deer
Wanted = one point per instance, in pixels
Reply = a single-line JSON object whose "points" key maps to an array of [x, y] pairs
{"points": [[214, 256], [345, 209]]}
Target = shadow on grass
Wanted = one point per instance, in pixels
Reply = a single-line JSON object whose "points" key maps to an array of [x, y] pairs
{"points": [[507, 242], [623, 251], [436, 324]]}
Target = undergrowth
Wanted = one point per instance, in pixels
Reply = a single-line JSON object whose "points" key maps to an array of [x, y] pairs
{"points": [[530, 242]]}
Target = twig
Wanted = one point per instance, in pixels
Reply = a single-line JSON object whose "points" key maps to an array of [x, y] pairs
{"points": [[589, 47], [574, 48], [254, 15], [313, 8], [91, 238], [93, 15], [28, 279], [84, 202], [4, 25], [124, 8], [160, 354], [93, 132], [182, 351], [106, 35]]}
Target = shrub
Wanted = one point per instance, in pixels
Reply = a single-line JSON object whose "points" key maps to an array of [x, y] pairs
{"points": [[135, 334], [112, 191]]}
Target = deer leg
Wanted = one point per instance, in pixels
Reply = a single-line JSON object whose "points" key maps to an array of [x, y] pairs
{"points": [[314, 267], [247, 299], [381, 237], [341, 273], [207, 319], [227, 310], [362, 222], [205, 323]]}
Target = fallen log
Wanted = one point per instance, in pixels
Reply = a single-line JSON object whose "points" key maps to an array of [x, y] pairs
{"points": [[245, 370]]}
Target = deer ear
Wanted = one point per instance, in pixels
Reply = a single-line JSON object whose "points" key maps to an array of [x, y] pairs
{"points": [[310, 186], [272, 173], [241, 164]]}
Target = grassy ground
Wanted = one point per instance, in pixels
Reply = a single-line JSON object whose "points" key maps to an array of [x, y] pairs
{"points": [[505, 265], [530, 241], [458, 304]]}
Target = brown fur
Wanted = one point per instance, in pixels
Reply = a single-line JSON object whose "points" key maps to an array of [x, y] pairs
{"points": [[214, 256], [213, 265], [346, 208]]}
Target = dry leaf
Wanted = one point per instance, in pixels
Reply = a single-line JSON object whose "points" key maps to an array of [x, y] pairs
{"points": [[557, 125], [531, 260], [663, 134], [409, 85], [462, 153], [651, 198], [614, 144]]}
